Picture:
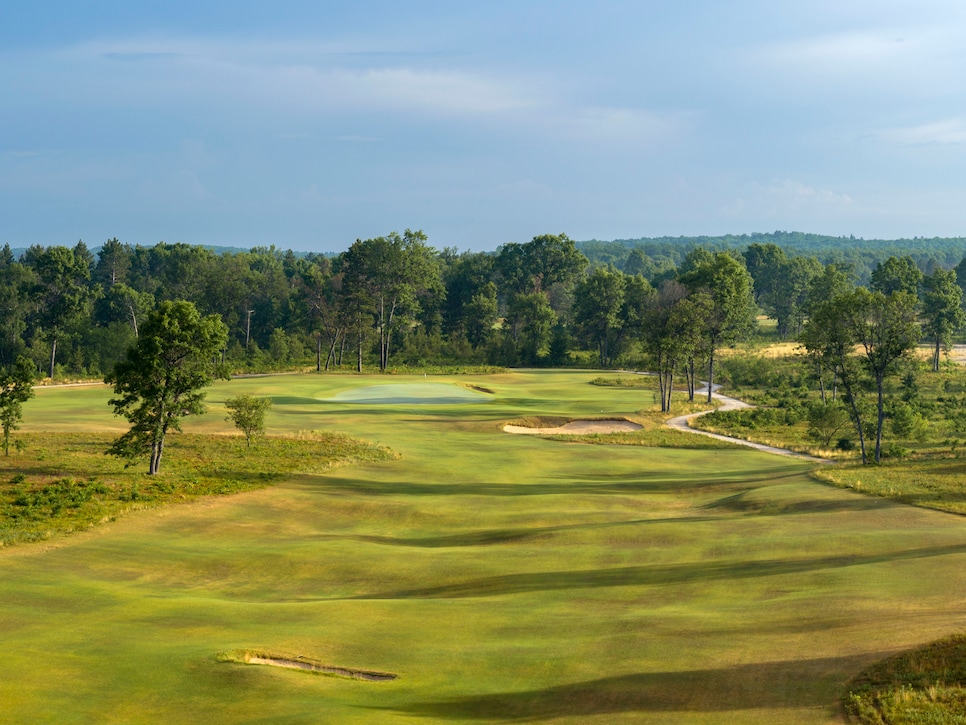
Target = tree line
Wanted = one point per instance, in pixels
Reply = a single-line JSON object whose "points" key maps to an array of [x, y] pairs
{"points": [[395, 300]]}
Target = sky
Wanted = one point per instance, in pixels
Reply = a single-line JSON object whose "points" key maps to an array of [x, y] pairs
{"points": [[309, 125]]}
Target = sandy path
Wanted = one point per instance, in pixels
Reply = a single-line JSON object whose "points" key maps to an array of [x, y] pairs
{"points": [[683, 423]]}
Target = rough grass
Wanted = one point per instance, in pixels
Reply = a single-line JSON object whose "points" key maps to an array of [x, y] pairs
{"points": [[933, 483], [925, 686], [59, 483]]}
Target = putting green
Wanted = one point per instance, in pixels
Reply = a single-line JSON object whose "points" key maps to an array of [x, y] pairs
{"points": [[411, 394], [502, 578]]}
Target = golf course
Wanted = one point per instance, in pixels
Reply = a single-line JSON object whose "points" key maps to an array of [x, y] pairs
{"points": [[474, 576]]}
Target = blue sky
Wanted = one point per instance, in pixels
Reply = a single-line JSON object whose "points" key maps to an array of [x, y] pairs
{"points": [[308, 125]]}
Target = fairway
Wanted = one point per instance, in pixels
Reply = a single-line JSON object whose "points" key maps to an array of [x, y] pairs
{"points": [[500, 578]]}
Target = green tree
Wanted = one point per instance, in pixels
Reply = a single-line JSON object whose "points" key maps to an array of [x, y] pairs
{"points": [[896, 274], [163, 377], [248, 414], [766, 264], [17, 282], [387, 277], [732, 315], [538, 265], [480, 315], [887, 328], [942, 309], [62, 292], [787, 299], [598, 301], [830, 336], [529, 323], [671, 333], [113, 263], [16, 388]]}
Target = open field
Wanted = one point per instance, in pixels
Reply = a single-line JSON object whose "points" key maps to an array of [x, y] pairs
{"points": [[500, 577]]}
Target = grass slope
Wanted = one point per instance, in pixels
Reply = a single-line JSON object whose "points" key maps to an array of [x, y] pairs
{"points": [[502, 578]]}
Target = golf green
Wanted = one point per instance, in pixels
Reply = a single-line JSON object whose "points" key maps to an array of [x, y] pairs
{"points": [[501, 578], [410, 394]]}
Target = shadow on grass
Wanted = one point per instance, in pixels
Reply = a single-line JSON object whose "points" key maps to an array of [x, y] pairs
{"points": [[508, 584], [283, 400], [503, 536], [744, 503], [602, 484], [767, 685]]}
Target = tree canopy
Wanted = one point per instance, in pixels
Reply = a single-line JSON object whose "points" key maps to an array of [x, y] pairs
{"points": [[163, 377]]}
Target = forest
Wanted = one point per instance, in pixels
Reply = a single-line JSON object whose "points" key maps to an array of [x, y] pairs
{"points": [[394, 302]]}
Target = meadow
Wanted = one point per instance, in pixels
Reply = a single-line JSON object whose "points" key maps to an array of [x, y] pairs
{"points": [[500, 578]]}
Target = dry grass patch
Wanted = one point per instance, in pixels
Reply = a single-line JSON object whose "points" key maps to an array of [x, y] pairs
{"points": [[925, 685]]}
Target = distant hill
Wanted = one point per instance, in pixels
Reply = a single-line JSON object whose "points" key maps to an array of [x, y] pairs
{"points": [[18, 251], [862, 254]]}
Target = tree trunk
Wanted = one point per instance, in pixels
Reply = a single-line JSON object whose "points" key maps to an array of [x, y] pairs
{"points": [[856, 418], [318, 352], [157, 448], [880, 418], [670, 387], [689, 374], [53, 354], [710, 374], [935, 357]]}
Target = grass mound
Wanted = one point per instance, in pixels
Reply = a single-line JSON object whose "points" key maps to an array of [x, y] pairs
{"points": [[303, 664], [64, 482], [922, 687]]}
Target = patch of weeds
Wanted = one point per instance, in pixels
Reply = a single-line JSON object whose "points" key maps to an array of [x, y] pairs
{"points": [[925, 685]]}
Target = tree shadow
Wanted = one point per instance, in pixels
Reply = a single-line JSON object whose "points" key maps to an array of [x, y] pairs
{"points": [[599, 485], [503, 536], [742, 502], [806, 683], [524, 583]]}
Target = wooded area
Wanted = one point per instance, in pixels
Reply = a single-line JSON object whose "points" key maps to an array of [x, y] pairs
{"points": [[395, 301]]}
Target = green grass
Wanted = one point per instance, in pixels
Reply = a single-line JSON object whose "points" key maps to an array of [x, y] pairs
{"points": [[502, 578]]}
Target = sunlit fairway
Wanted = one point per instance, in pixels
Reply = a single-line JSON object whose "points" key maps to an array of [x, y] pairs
{"points": [[502, 578]]}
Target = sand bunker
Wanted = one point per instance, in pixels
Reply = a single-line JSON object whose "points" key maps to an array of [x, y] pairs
{"points": [[578, 427], [310, 666], [411, 394]]}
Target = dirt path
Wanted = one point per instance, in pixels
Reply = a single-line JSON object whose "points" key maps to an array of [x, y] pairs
{"points": [[683, 423]]}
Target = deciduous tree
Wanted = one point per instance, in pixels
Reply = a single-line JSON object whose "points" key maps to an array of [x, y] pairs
{"points": [[162, 380], [16, 388], [942, 309], [729, 285], [248, 414]]}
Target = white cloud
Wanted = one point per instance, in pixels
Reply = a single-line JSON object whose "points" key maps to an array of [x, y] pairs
{"points": [[622, 126], [938, 133], [894, 62], [784, 198], [302, 76]]}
